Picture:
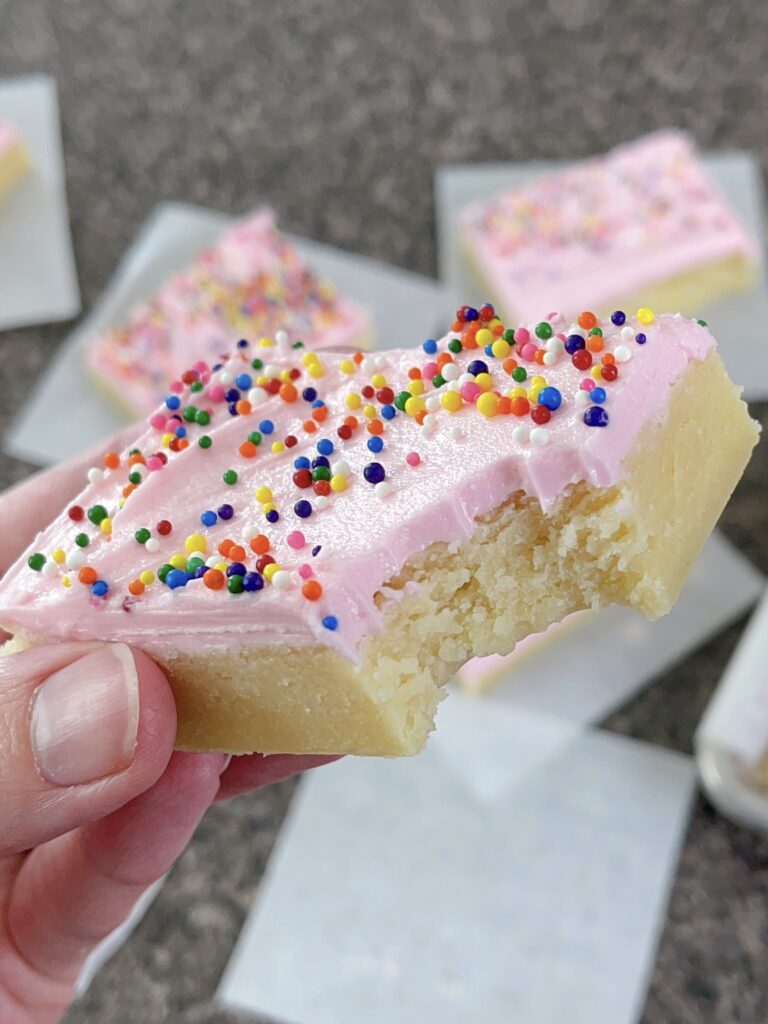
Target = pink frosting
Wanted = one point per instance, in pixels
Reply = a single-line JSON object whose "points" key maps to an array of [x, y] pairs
{"points": [[609, 227], [253, 282], [467, 465]]}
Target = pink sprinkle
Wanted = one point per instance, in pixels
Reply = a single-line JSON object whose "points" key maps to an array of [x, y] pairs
{"points": [[154, 463], [469, 391], [587, 384], [430, 369], [413, 458], [157, 420], [171, 425], [216, 393], [201, 366], [177, 387], [560, 335], [305, 571], [522, 334], [296, 540], [528, 351]]}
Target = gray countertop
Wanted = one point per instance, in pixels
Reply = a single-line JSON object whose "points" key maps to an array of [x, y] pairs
{"points": [[338, 116]]}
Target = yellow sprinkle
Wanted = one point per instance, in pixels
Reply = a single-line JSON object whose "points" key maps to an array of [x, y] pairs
{"points": [[58, 555], [268, 506], [195, 542], [121, 502], [378, 380], [270, 570], [487, 403], [484, 337], [178, 561], [262, 380], [484, 381], [537, 381], [338, 483], [221, 566], [501, 348], [266, 343], [353, 400], [451, 400], [66, 581], [106, 525], [369, 411], [147, 577], [416, 387], [263, 493], [277, 447], [347, 366], [285, 375], [595, 373], [315, 370], [495, 322], [415, 405], [533, 393], [308, 358], [517, 392], [645, 315], [166, 439]]}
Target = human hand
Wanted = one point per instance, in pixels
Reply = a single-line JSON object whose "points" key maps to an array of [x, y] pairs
{"points": [[94, 803]]}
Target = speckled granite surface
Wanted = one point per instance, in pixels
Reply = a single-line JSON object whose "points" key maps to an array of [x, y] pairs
{"points": [[338, 115]]}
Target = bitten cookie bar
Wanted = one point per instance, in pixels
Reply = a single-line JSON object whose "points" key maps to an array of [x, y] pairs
{"points": [[14, 161], [311, 544], [253, 282], [641, 225]]}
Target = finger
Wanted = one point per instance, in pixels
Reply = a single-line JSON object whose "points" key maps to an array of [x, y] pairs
{"points": [[84, 728], [256, 770], [88, 881], [28, 507]]}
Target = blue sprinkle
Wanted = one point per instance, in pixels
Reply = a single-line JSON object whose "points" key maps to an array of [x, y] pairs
{"points": [[236, 569], [181, 431], [597, 395], [316, 550], [331, 622], [302, 462], [232, 395], [233, 409], [477, 366], [175, 578], [309, 394], [267, 427], [388, 412], [374, 473], [325, 447], [551, 398], [489, 349], [253, 581], [470, 313], [375, 445], [216, 366], [243, 381], [318, 403], [595, 416], [272, 516], [200, 571], [100, 588], [640, 338], [226, 511], [303, 509], [242, 343], [320, 460], [429, 346], [173, 401], [208, 518], [573, 343], [618, 317]]}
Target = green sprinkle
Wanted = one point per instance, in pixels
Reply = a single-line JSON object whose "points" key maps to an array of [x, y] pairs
{"points": [[163, 571], [256, 364], [229, 476], [142, 535], [597, 331], [235, 584], [82, 540], [703, 323], [438, 380], [255, 437], [509, 336], [454, 345], [135, 478], [189, 414], [202, 417], [36, 561], [96, 513], [519, 374], [321, 473], [298, 344], [196, 386], [401, 399], [543, 330], [194, 564], [205, 441]]}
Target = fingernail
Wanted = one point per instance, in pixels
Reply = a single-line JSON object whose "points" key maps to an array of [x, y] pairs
{"points": [[85, 717]]}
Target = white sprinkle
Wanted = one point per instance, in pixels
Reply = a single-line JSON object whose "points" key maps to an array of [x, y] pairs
{"points": [[281, 580], [368, 365], [76, 559], [94, 474], [451, 371], [521, 435], [466, 378], [340, 468], [270, 370], [212, 560], [627, 333], [433, 403], [380, 362], [550, 358], [152, 545], [430, 422], [453, 385], [257, 396], [456, 434], [539, 436], [582, 399], [322, 501], [382, 489], [554, 345], [225, 379], [575, 329], [50, 569], [622, 353], [281, 338]]}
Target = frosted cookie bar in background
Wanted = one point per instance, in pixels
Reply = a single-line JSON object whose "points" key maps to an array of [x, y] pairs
{"points": [[252, 283], [642, 225], [14, 159], [311, 544]]}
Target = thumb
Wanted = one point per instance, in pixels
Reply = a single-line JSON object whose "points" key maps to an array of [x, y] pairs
{"points": [[84, 728]]}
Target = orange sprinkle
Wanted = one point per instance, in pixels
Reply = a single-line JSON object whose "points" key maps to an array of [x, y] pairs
{"points": [[468, 341], [375, 427], [87, 575], [128, 489], [111, 460], [312, 590], [225, 546], [248, 449], [456, 326], [136, 587], [587, 321], [539, 356], [243, 407], [288, 392], [309, 426], [607, 358], [594, 343], [505, 405], [236, 553], [137, 459], [214, 579], [414, 373], [260, 544], [443, 359], [321, 414], [183, 443], [509, 364], [519, 406], [358, 357], [420, 416], [351, 422], [498, 330]]}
